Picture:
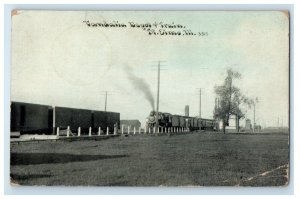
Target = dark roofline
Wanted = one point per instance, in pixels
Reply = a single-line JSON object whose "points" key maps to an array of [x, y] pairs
{"points": [[15, 102]]}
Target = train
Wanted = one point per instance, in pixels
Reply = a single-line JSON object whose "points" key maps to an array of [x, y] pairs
{"points": [[170, 120], [28, 118]]}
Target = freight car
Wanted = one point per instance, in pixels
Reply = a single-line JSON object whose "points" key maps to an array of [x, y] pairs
{"points": [[169, 120], [29, 118], [105, 119], [64, 117]]}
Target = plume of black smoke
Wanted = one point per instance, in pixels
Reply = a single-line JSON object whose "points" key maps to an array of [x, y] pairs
{"points": [[140, 84]]}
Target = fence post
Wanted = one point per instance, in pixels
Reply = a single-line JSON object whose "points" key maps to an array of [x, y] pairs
{"points": [[90, 131], [99, 130], [79, 131], [122, 129], [68, 131], [134, 130], [57, 131], [107, 130]]}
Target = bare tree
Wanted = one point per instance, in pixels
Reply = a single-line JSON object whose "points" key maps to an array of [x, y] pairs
{"points": [[230, 99]]}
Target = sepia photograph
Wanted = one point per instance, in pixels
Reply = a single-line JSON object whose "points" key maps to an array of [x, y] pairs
{"points": [[150, 98]]}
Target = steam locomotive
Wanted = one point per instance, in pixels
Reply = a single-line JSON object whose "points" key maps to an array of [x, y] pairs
{"points": [[192, 123]]}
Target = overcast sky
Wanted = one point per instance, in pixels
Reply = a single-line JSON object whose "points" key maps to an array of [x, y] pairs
{"points": [[58, 60]]}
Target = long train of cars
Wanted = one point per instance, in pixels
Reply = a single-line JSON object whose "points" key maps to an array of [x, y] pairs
{"points": [[28, 118], [192, 123], [35, 118]]}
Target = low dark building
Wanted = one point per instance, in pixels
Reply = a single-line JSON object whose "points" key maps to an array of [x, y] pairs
{"points": [[131, 123]]}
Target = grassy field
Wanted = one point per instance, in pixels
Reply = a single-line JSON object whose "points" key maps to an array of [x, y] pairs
{"points": [[197, 159]]}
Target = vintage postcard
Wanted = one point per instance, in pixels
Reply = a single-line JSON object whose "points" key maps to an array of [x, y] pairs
{"points": [[149, 98]]}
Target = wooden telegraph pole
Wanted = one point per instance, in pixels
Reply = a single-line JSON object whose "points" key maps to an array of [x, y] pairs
{"points": [[157, 97]]}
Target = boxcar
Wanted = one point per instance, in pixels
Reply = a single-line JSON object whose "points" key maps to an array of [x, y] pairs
{"points": [[72, 117], [175, 120], [30, 118], [106, 119], [99, 120], [203, 126], [194, 123], [199, 124], [182, 121], [208, 124], [113, 119], [188, 122]]}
